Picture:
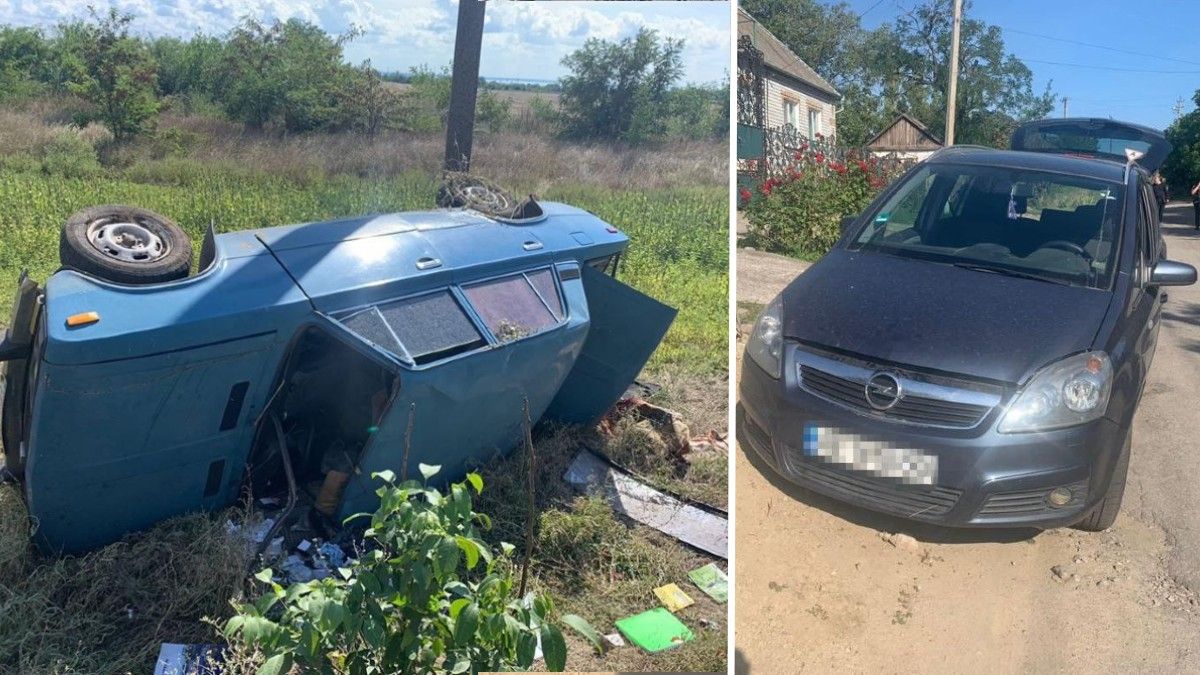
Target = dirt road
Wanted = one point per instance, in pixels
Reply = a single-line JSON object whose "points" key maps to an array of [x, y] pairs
{"points": [[821, 589]]}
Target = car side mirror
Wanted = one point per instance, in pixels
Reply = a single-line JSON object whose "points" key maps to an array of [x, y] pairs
{"points": [[847, 223], [1171, 273]]}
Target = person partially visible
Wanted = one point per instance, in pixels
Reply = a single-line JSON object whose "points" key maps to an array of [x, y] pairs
{"points": [[1196, 203], [1160, 193]]}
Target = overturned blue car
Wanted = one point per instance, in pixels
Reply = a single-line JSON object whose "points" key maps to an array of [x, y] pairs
{"points": [[303, 355]]}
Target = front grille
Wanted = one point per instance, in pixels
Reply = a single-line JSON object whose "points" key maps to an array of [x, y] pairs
{"points": [[910, 408], [911, 502], [1030, 502]]}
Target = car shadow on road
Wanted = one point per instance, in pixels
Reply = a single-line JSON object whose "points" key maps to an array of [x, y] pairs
{"points": [[882, 522], [1187, 312]]}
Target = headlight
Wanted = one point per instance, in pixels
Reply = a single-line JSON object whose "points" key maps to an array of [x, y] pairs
{"points": [[1073, 391], [766, 342]]}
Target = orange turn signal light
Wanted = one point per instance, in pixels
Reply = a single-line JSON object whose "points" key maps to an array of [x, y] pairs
{"points": [[82, 319]]}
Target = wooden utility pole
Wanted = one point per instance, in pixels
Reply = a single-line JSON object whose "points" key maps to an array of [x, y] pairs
{"points": [[464, 85], [952, 88], [1065, 101]]}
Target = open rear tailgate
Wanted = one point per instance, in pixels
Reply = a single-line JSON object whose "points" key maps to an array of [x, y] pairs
{"points": [[1093, 137]]}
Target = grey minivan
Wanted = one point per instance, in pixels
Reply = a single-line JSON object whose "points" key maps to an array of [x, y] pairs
{"points": [[972, 351]]}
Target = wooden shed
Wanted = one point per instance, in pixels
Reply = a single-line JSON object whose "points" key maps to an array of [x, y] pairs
{"points": [[906, 138]]}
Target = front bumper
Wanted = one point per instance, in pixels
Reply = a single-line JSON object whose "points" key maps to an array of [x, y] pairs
{"points": [[985, 479]]}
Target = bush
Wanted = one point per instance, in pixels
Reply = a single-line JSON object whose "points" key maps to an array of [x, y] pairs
{"points": [[800, 212], [70, 156], [429, 595]]}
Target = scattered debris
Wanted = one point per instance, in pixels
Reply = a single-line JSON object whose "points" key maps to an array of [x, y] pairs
{"points": [[667, 425], [179, 659], [691, 525], [654, 630], [614, 640], [901, 541], [712, 581], [333, 554], [673, 597]]}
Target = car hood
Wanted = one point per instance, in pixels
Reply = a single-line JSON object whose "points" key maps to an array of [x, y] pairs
{"points": [[939, 317]]}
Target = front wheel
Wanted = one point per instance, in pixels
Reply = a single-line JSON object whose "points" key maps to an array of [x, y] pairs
{"points": [[125, 244], [1104, 514]]}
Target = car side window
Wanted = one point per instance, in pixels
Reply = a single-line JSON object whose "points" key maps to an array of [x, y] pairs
{"points": [[516, 305], [1147, 242]]}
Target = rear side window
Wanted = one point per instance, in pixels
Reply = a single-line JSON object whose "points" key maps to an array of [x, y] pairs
{"points": [[421, 329], [517, 305]]}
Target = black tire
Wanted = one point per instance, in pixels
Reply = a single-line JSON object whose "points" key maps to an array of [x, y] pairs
{"points": [[1104, 514], [165, 256]]}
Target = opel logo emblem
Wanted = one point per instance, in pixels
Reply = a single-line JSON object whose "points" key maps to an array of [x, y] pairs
{"points": [[883, 391]]}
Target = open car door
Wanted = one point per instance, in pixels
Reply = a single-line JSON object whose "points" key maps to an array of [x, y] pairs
{"points": [[626, 327], [1094, 137]]}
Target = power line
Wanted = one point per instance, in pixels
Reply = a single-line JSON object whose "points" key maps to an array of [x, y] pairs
{"points": [[1113, 68], [861, 15], [1096, 46]]}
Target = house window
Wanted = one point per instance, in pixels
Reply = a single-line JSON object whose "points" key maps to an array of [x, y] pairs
{"points": [[791, 113], [814, 122], [513, 307]]}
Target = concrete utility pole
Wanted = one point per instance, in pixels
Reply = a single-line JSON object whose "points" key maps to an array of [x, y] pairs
{"points": [[952, 89], [464, 85]]}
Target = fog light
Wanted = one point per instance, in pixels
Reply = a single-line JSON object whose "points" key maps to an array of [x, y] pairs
{"points": [[1059, 497]]}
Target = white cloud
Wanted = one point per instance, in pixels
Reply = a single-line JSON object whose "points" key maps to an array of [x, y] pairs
{"points": [[522, 39]]}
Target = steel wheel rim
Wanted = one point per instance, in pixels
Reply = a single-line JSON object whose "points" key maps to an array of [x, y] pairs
{"points": [[127, 241]]}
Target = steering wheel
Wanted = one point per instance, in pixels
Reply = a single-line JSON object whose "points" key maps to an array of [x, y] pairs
{"points": [[1064, 245]]}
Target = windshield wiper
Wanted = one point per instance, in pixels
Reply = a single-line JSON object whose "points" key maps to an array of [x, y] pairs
{"points": [[1009, 272]]}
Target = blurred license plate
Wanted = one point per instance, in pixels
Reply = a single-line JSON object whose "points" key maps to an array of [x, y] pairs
{"points": [[878, 458]]}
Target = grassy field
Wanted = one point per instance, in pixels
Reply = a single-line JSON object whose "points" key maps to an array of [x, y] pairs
{"points": [[672, 203]]}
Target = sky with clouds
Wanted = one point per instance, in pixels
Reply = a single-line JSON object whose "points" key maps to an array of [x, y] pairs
{"points": [[524, 40]]}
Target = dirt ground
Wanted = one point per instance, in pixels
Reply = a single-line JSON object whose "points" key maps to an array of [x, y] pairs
{"points": [[824, 587]]}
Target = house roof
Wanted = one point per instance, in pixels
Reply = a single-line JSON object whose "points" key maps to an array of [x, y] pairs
{"points": [[903, 118], [778, 57]]}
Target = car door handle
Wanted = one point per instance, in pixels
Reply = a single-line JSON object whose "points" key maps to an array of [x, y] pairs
{"points": [[428, 263], [531, 245]]}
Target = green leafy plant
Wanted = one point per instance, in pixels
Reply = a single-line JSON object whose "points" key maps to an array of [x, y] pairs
{"points": [[428, 595], [113, 71]]}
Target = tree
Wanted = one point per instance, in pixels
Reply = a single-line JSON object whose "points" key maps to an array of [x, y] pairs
{"points": [[366, 103], [24, 53], [113, 71], [995, 88], [904, 67], [284, 74], [1182, 168], [620, 90], [430, 91]]}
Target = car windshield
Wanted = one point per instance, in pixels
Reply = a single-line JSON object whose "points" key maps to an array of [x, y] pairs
{"points": [[1037, 224]]}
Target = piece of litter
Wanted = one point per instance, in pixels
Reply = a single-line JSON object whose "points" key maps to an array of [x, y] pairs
{"points": [[304, 546], [712, 581], [180, 659], [261, 530], [673, 597], [614, 640], [654, 630], [274, 549], [296, 570], [704, 530], [333, 554]]}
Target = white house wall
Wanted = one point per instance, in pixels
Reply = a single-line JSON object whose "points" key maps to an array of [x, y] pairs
{"points": [[774, 107]]}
